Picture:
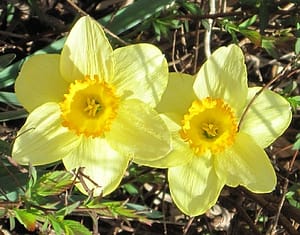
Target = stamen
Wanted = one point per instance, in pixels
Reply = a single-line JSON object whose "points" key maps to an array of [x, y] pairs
{"points": [[93, 107], [210, 130]]}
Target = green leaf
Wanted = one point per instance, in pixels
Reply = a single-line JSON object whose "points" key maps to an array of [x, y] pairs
{"points": [[45, 225], [294, 101], [131, 189], [293, 195], [12, 115], [296, 145], [297, 34], [120, 209], [27, 218], [10, 12], [6, 60], [231, 28], [33, 176], [31, 182], [72, 227], [297, 46], [53, 183], [8, 98], [248, 22], [253, 35], [133, 15], [67, 209], [191, 7], [111, 208], [205, 24], [57, 224], [144, 210], [12, 222], [268, 43]]}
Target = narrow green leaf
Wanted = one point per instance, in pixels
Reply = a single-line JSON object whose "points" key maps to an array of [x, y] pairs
{"points": [[6, 60], [12, 115], [45, 225], [12, 223], [133, 15], [297, 34], [10, 12], [248, 22], [297, 46], [8, 98], [144, 210], [131, 189], [31, 182], [205, 24]]}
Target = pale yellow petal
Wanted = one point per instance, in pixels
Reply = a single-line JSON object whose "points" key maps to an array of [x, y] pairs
{"points": [[195, 187], [224, 75], [43, 139], [39, 81], [139, 131], [174, 126], [267, 118], [100, 163], [87, 52], [141, 72], [178, 96], [246, 164], [180, 154]]}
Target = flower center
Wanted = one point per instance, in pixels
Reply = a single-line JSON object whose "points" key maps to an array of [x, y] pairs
{"points": [[90, 107], [210, 130], [209, 125]]}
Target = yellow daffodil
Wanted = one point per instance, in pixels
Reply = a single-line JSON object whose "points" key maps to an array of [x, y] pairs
{"points": [[93, 107], [210, 141]]}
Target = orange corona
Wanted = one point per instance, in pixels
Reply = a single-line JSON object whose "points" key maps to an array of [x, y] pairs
{"points": [[89, 107], [209, 125]]}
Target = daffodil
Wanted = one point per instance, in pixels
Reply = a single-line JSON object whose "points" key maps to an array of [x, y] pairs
{"points": [[213, 145], [93, 107]]}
